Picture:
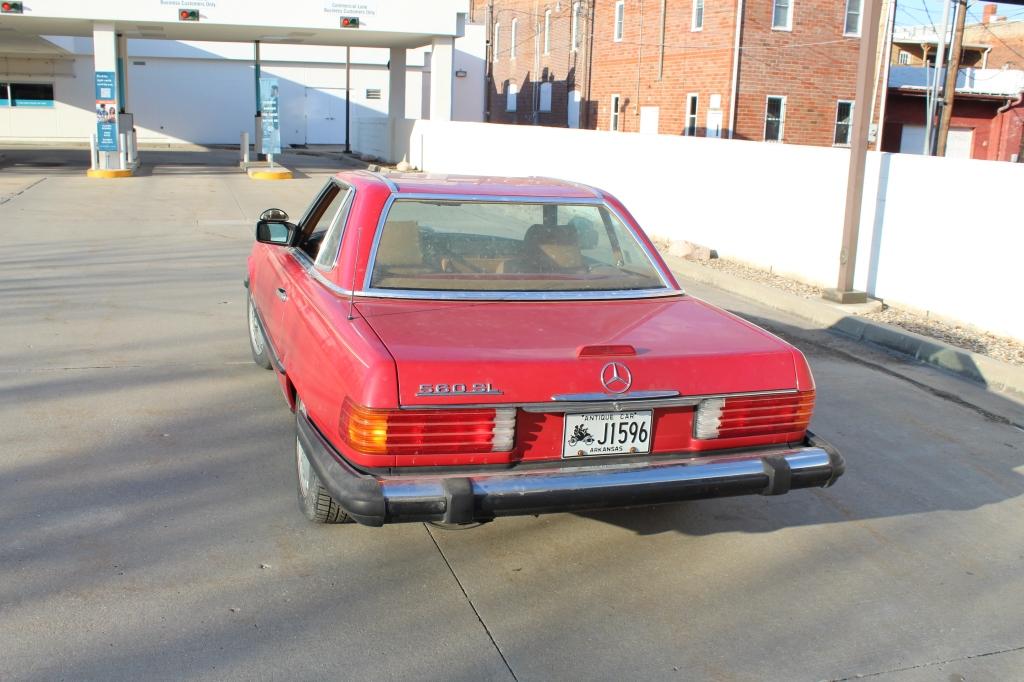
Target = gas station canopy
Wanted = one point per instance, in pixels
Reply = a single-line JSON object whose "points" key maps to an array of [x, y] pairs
{"points": [[366, 23]]}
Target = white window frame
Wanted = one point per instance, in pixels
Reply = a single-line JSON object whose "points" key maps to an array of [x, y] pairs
{"points": [[860, 17], [514, 38], [547, 32], [613, 117], [619, 24], [696, 25], [849, 126], [542, 106], [511, 97], [692, 106], [789, 15], [575, 23], [903, 58], [782, 118], [496, 43]]}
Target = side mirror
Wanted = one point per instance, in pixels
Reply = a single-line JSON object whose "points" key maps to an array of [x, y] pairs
{"points": [[276, 232], [274, 214]]}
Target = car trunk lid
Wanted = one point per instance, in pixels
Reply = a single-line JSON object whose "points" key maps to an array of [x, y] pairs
{"points": [[493, 352]]}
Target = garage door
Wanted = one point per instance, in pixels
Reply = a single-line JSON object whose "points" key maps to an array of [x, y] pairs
{"points": [[912, 140]]}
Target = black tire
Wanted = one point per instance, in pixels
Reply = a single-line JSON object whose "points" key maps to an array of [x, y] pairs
{"points": [[316, 503], [257, 342]]}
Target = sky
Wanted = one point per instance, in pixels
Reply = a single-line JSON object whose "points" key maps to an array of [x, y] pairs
{"points": [[916, 12]]}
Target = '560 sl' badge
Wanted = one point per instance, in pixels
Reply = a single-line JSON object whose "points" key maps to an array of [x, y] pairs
{"points": [[441, 390]]}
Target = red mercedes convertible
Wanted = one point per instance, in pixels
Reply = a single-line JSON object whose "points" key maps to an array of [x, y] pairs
{"points": [[460, 348]]}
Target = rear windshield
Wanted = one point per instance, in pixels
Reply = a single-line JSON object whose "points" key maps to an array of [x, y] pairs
{"points": [[508, 246]]}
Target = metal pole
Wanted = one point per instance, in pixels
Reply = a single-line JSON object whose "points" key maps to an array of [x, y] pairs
{"points": [[132, 150], [245, 147], [122, 156], [952, 71], [270, 158], [844, 293], [886, 64], [940, 56], [348, 107]]}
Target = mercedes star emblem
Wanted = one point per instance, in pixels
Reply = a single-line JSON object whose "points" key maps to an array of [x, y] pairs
{"points": [[616, 377]]}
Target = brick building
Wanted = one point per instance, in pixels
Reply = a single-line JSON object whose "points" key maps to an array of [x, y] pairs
{"points": [[676, 67]]}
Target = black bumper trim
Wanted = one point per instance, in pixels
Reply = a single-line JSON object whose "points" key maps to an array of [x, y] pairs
{"points": [[462, 498]]}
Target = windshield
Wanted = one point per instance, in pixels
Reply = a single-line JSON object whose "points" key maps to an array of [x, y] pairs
{"points": [[508, 246]]}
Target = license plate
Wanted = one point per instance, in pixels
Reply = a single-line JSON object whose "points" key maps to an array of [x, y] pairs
{"points": [[606, 433]]}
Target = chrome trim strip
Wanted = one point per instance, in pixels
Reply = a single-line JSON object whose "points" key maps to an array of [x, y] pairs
{"points": [[309, 266], [511, 295], [632, 395], [608, 405], [518, 295], [343, 214], [550, 480]]}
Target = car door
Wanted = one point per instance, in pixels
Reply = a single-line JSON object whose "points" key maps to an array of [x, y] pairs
{"points": [[283, 265]]}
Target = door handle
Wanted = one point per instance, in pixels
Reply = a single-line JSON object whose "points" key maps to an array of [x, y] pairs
{"points": [[282, 294]]}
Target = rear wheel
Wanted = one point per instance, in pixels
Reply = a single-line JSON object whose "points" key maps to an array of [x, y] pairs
{"points": [[317, 504], [257, 342]]}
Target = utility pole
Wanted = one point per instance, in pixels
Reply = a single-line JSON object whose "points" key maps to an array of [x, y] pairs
{"points": [[952, 71], [862, 108], [940, 56]]}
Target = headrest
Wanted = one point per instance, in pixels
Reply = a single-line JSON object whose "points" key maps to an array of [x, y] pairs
{"points": [[400, 244]]}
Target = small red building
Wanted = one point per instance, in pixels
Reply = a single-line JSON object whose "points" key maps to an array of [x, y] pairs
{"points": [[987, 121]]}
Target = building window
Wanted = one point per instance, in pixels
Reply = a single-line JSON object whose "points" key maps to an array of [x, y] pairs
{"points": [[782, 15], [545, 96], [774, 119], [496, 42], [620, 20], [613, 119], [844, 122], [511, 97], [575, 26], [852, 27], [904, 58], [691, 115], [698, 15], [26, 94], [513, 38], [547, 32]]}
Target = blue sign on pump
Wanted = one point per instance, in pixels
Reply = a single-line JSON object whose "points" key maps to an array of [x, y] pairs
{"points": [[269, 112], [106, 111]]}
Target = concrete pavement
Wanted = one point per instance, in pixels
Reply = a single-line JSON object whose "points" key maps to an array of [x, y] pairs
{"points": [[149, 528]]}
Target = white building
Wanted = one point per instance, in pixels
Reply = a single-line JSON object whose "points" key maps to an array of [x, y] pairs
{"points": [[203, 91]]}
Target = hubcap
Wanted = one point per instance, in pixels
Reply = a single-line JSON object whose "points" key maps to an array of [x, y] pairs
{"points": [[255, 334]]}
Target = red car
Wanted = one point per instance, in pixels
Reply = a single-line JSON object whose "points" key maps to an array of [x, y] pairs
{"points": [[461, 348]]}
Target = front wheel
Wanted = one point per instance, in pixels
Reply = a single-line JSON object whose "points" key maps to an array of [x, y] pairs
{"points": [[316, 503]]}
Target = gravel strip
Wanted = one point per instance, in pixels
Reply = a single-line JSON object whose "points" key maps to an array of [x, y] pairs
{"points": [[961, 335]]}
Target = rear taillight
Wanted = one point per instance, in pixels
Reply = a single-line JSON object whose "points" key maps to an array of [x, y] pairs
{"points": [[427, 432], [760, 415]]}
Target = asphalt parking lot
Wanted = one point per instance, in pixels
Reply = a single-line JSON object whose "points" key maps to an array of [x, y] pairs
{"points": [[149, 527]]}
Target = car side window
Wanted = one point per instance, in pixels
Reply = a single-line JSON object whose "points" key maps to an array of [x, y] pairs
{"points": [[328, 253], [320, 217]]}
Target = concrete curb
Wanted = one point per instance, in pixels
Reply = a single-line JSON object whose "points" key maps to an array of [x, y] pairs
{"points": [[994, 374]]}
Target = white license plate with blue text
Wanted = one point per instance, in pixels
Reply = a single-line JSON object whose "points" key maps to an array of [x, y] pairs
{"points": [[606, 433]]}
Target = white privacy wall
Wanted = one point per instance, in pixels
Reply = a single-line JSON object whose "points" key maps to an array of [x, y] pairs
{"points": [[925, 242]]}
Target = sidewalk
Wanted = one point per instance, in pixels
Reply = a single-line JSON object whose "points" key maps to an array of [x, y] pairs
{"points": [[993, 374]]}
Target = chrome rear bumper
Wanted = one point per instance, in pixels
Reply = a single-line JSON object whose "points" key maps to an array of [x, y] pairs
{"points": [[466, 497]]}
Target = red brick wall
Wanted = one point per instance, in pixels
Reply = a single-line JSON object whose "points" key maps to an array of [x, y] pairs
{"points": [[813, 66], [693, 62], [561, 66]]}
